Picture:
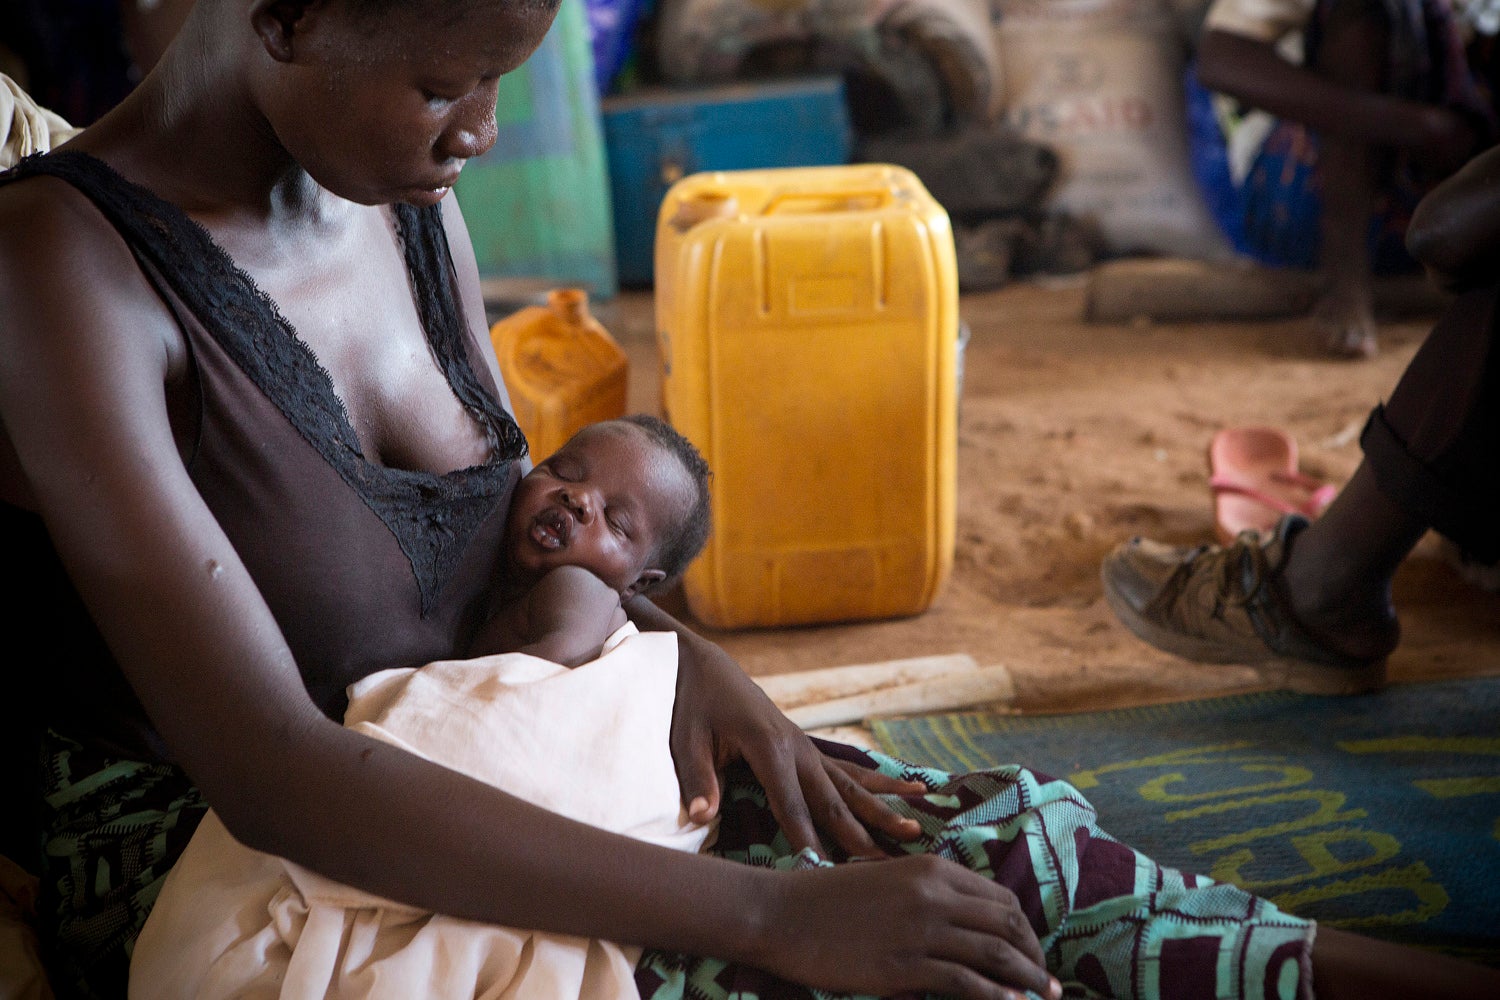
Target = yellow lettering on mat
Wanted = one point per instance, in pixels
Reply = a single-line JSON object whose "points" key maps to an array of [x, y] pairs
{"points": [[1457, 788], [1479, 745], [1329, 804], [1155, 790], [1441, 788], [1316, 847], [1187, 755], [1313, 848], [1431, 898]]}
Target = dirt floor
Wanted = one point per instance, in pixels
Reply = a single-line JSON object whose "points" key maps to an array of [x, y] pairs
{"points": [[1076, 435]]}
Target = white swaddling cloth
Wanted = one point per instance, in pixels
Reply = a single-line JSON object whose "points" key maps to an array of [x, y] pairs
{"points": [[25, 126], [590, 743]]}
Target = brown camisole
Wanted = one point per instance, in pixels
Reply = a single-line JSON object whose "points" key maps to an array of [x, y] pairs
{"points": [[364, 566]]}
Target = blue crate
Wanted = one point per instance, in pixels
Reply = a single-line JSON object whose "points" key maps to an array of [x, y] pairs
{"points": [[655, 137]]}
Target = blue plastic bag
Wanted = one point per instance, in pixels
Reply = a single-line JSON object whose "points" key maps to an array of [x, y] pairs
{"points": [[612, 26]]}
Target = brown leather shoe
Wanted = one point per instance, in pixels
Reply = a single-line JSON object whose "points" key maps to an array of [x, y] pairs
{"points": [[1223, 604]]}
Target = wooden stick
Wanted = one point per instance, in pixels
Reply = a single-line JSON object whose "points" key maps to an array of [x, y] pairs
{"points": [[808, 686], [984, 686], [1175, 289], [854, 736]]}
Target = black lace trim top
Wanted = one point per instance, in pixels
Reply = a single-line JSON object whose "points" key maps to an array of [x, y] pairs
{"points": [[364, 567], [432, 516]]}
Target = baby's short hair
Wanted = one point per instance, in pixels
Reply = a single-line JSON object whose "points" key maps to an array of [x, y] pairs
{"points": [[682, 545]]}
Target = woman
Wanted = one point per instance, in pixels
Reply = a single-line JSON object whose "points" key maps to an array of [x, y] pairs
{"points": [[250, 421], [280, 128]]}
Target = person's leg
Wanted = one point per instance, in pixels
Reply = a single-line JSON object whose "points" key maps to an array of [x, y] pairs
{"points": [[1430, 459], [1337, 578], [1352, 52], [1350, 967], [1316, 599]]}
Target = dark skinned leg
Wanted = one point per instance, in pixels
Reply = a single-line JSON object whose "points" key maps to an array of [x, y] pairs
{"points": [[1353, 54], [1337, 578], [1349, 967]]}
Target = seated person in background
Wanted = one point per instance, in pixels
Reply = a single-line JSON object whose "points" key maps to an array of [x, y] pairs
{"points": [[622, 508], [1384, 100]]}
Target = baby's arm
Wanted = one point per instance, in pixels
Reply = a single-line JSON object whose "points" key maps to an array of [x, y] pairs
{"points": [[565, 618]]}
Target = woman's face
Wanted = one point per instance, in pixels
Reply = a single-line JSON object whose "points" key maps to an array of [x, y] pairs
{"points": [[385, 107]]}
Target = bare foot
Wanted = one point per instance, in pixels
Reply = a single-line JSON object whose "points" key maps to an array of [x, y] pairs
{"points": [[1346, 319]]}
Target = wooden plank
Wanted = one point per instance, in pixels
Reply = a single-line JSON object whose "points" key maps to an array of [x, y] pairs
{"points": [[808, 686], [987, 686], [1177, 289]]}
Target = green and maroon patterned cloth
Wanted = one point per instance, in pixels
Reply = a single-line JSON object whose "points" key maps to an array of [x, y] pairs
{"points": [[114, 829], [1111, 921]]}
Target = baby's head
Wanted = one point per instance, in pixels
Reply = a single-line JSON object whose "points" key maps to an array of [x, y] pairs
{"points": [[625, 499]]}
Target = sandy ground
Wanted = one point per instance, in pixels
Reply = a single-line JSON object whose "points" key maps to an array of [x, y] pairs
{"points": [[1076, 435]]}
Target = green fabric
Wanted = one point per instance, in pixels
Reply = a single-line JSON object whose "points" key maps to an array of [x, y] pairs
{"points": [[537, 205], [113, 830]]}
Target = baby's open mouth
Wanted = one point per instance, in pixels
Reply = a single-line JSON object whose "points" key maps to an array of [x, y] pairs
{"points": [[551, 528]]}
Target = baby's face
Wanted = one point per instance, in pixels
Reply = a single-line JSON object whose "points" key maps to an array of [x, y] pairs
{"points": [[604, 502]]}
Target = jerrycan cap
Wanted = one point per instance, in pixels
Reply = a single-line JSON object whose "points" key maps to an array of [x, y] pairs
{"points": [[569, 304], [701, 206]]}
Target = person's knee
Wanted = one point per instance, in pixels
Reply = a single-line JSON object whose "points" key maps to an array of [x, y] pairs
{"points": [[1355, 43], [1357, 14]]}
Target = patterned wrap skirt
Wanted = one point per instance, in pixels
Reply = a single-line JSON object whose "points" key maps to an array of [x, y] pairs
{"points": [[1111, 922], [113, 829]]}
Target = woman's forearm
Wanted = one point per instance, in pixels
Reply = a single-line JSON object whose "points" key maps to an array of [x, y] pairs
{"points": [[374, 817]]}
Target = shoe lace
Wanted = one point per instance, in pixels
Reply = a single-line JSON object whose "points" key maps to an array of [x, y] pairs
{"points": [[1242, 573]]}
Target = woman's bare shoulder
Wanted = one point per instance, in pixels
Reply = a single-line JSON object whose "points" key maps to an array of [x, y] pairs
{"points": [[46, 224], [81, 320], [66, 271]]}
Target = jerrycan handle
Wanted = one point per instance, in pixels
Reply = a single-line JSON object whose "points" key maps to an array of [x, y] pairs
{"points": [[856, 200], [701, 207]]}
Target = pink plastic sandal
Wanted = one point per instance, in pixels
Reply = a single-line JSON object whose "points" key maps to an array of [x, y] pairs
{"points": [[1255, 480]]}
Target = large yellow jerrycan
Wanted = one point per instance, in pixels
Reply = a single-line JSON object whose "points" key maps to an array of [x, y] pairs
{"points": [[562, 368], [808, 326]]}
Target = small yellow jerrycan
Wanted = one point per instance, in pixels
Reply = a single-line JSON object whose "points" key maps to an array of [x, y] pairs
{"points": [[562, 368]]}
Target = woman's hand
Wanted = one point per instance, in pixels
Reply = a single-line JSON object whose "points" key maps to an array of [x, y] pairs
{"points": [[918, 923], [721, 716]]}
